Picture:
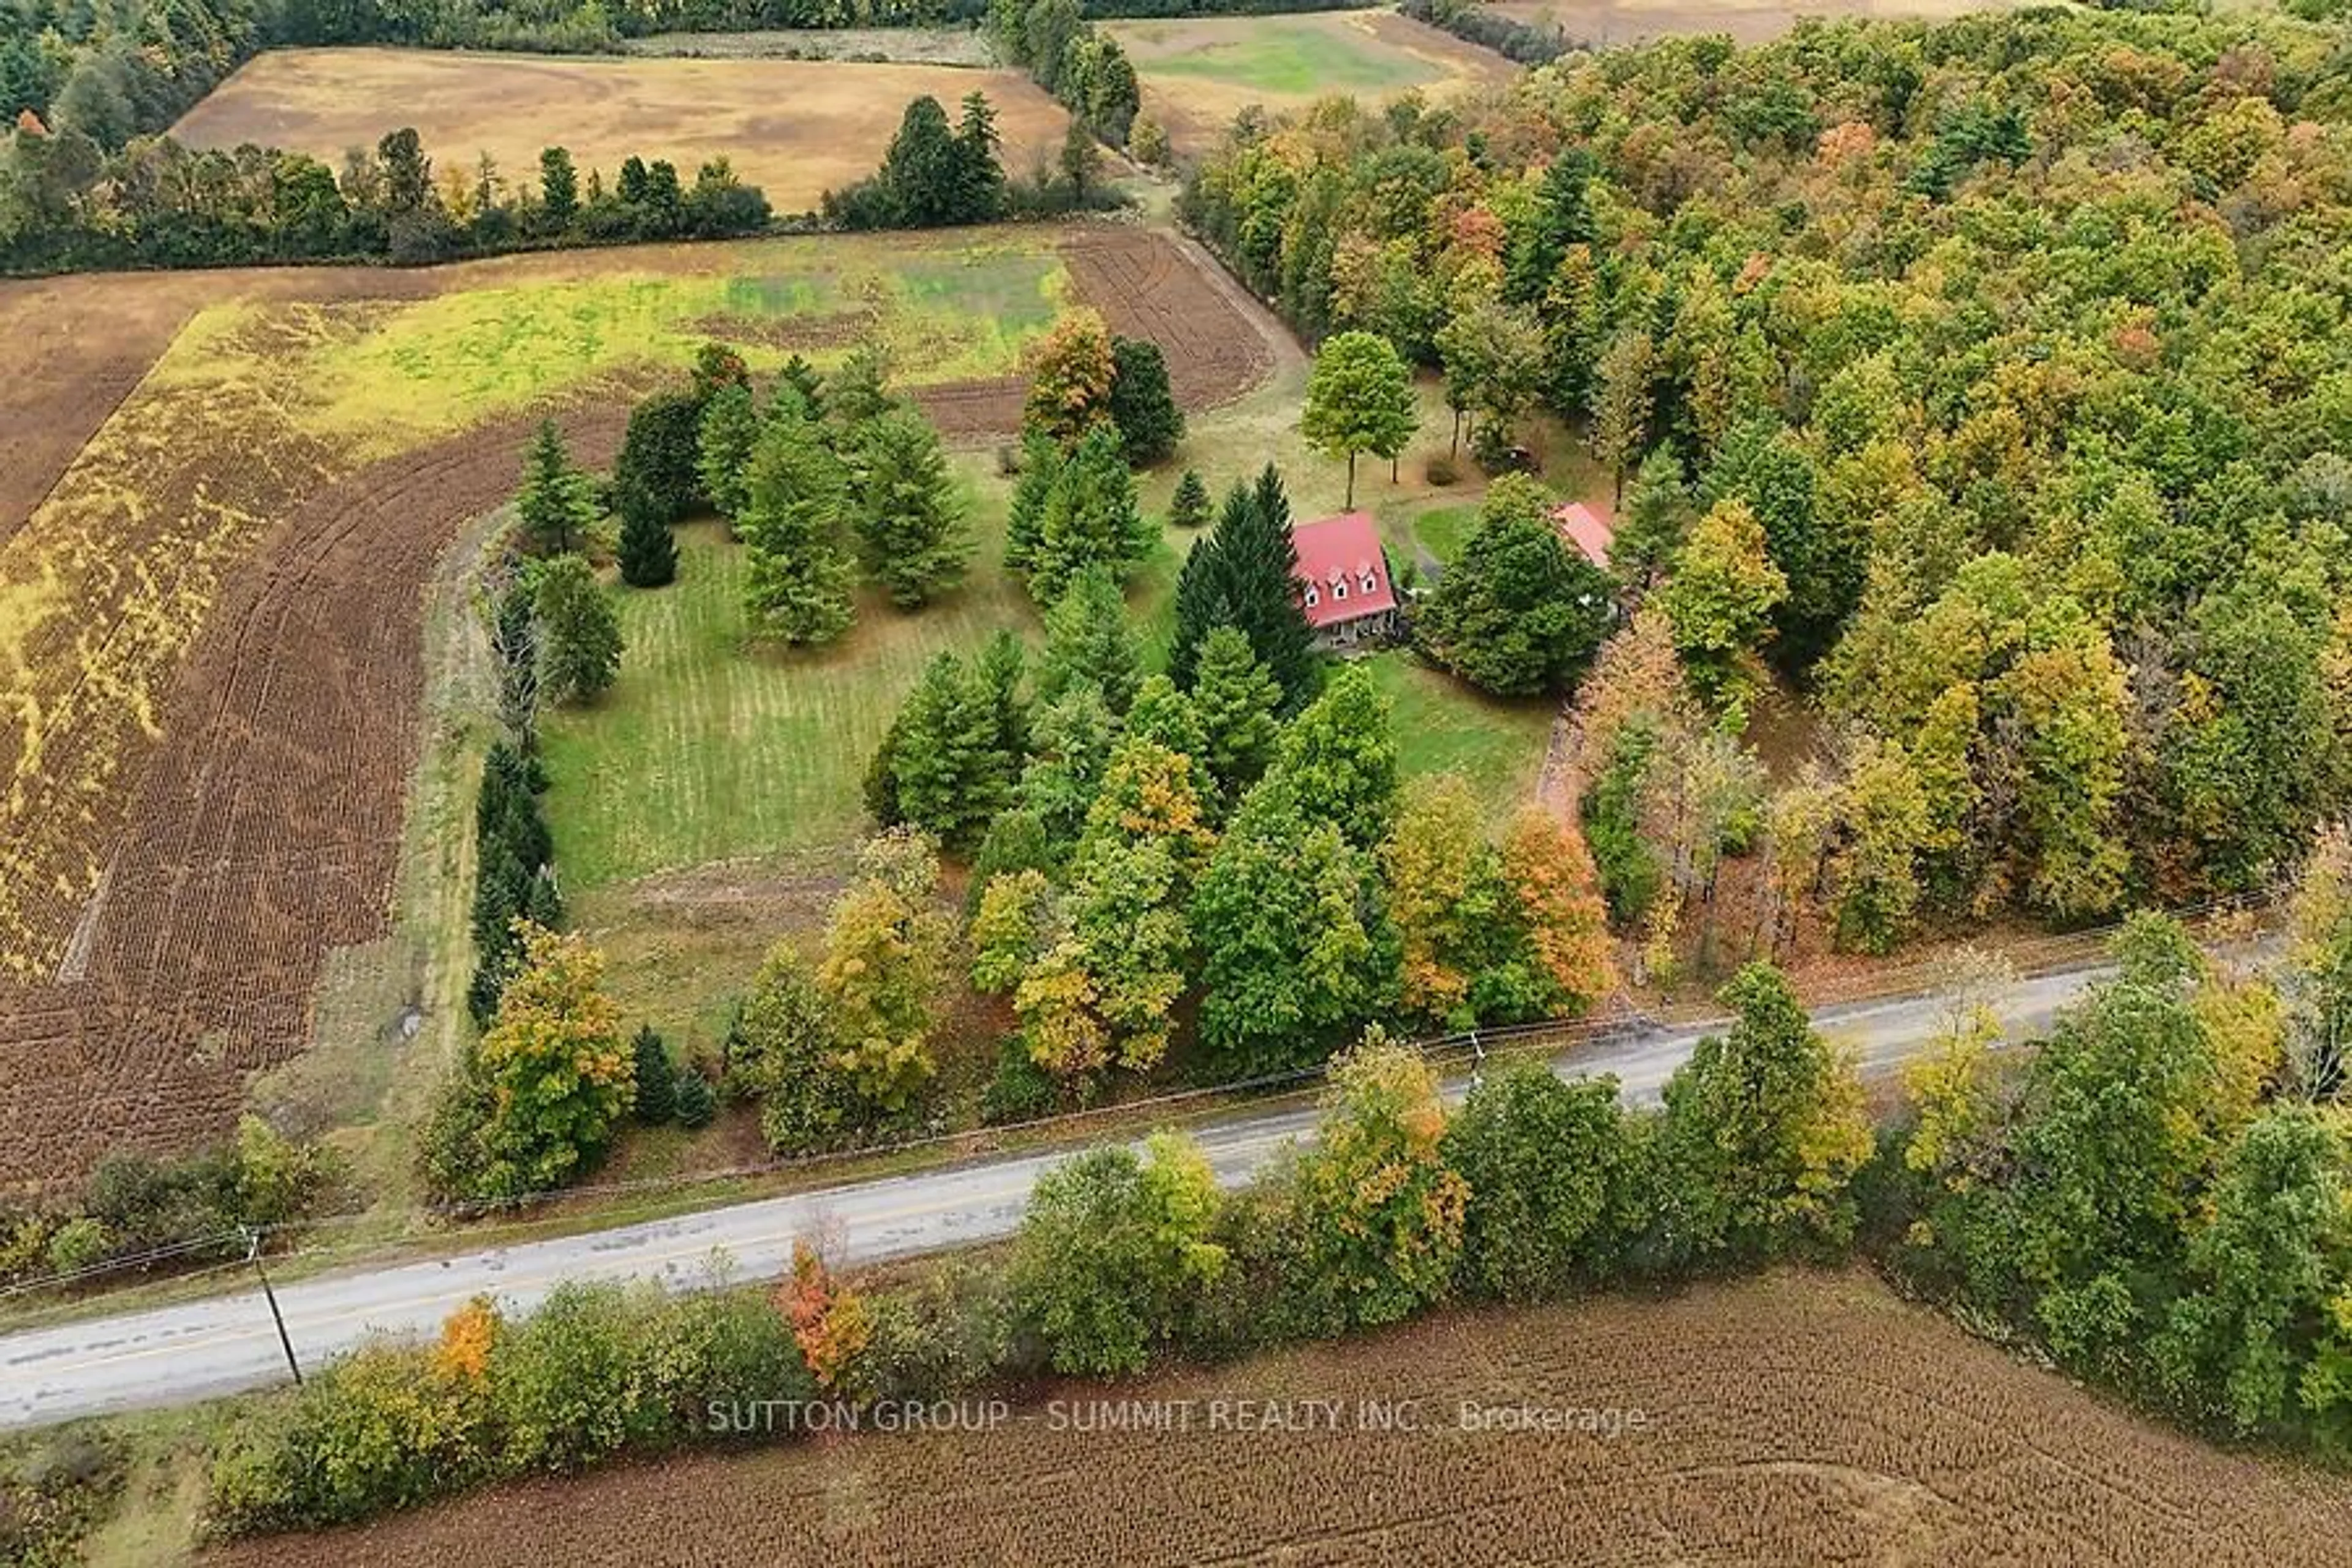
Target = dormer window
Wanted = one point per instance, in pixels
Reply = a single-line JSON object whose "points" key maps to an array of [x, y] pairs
{"points": [[1313, 598], [1339, 588], [1371, 584]]}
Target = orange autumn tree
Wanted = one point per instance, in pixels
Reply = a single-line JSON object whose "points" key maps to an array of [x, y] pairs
{"points": [[1492, 934], [467, 1335], [1550, 875], [1071, 370], [830, 1322]]}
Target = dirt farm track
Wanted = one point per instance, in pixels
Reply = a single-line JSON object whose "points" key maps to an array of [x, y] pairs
{"points": [[248, 817]]}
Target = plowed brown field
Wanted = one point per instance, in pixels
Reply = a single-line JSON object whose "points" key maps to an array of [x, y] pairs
{"points": [[1799, 1420], [209, 678]]}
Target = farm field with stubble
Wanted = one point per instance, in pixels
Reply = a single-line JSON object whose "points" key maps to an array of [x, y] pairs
{"points": [[1792, 1419], [794, 128]]}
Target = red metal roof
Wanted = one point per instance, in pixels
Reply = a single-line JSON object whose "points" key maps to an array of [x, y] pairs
{"points": [[1586, 528], [1337, 557]]}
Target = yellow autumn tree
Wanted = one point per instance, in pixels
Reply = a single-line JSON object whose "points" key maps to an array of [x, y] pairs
{"points": [[560, 1074]]}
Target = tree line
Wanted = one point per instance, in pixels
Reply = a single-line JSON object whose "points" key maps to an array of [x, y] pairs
{"points": [[2155, 1198], [935, 176], [1929, 412], [1072, 58], [66, 205]]}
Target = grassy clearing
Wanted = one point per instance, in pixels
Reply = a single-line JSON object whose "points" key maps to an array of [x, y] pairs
{"points": [[1442, 725], [1295, 57], [709, 748], [391, 377]]}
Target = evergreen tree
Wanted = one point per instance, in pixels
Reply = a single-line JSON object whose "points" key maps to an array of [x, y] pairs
{"points": [[1202, 604], [1190, 506], [729, 434], [1560, 217], [660, 454], [1090, 519], [910, 524], [1653, 523], [950, 774], [558, 502], [979, 171], [1242, 575], [923, 175], [798, 379], [656, 1080], [579, 635], [797, 576], [1143, 405], [697, 1105], [1235, 700], [559, 188], [1089, 641], [1002, 664], [858, 391], [648, 552], [1042, 461]]}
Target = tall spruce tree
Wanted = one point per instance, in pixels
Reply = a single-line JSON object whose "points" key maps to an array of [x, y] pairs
{"points": [[1242, 575], [1090, 641], [1090, 519], [911, 525], [580, 636], [656, 1080], [950, 774], [797, 576], [1189, 508], [724, 442], [558, 503], [648, 552], [1235, 701]]}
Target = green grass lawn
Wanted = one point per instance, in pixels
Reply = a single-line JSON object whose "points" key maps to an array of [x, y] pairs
{"points": [[710, 748], [1442, 725], [1297, 57], [1440, 530]]}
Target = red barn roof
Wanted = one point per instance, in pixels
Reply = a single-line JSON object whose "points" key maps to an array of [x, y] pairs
{"points": [[1586, 528], [1342, 575]]}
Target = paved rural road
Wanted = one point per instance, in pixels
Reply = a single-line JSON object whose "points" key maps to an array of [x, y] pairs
{"points": [[179, 1354]]}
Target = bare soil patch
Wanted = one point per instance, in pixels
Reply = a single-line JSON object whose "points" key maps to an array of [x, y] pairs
{"points": [[1797, 1419], [795, 128]]}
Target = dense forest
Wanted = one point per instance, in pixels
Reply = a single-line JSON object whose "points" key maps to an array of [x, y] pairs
{"points": [[1988, 385]]}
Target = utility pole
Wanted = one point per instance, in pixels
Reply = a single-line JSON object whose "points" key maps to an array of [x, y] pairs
{"points": [[253, 1255]]}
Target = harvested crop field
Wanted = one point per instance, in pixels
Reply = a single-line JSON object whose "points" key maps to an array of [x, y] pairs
{"points": [[210, 678], [1795, 1419], [1198, 72], [795, 128]]}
